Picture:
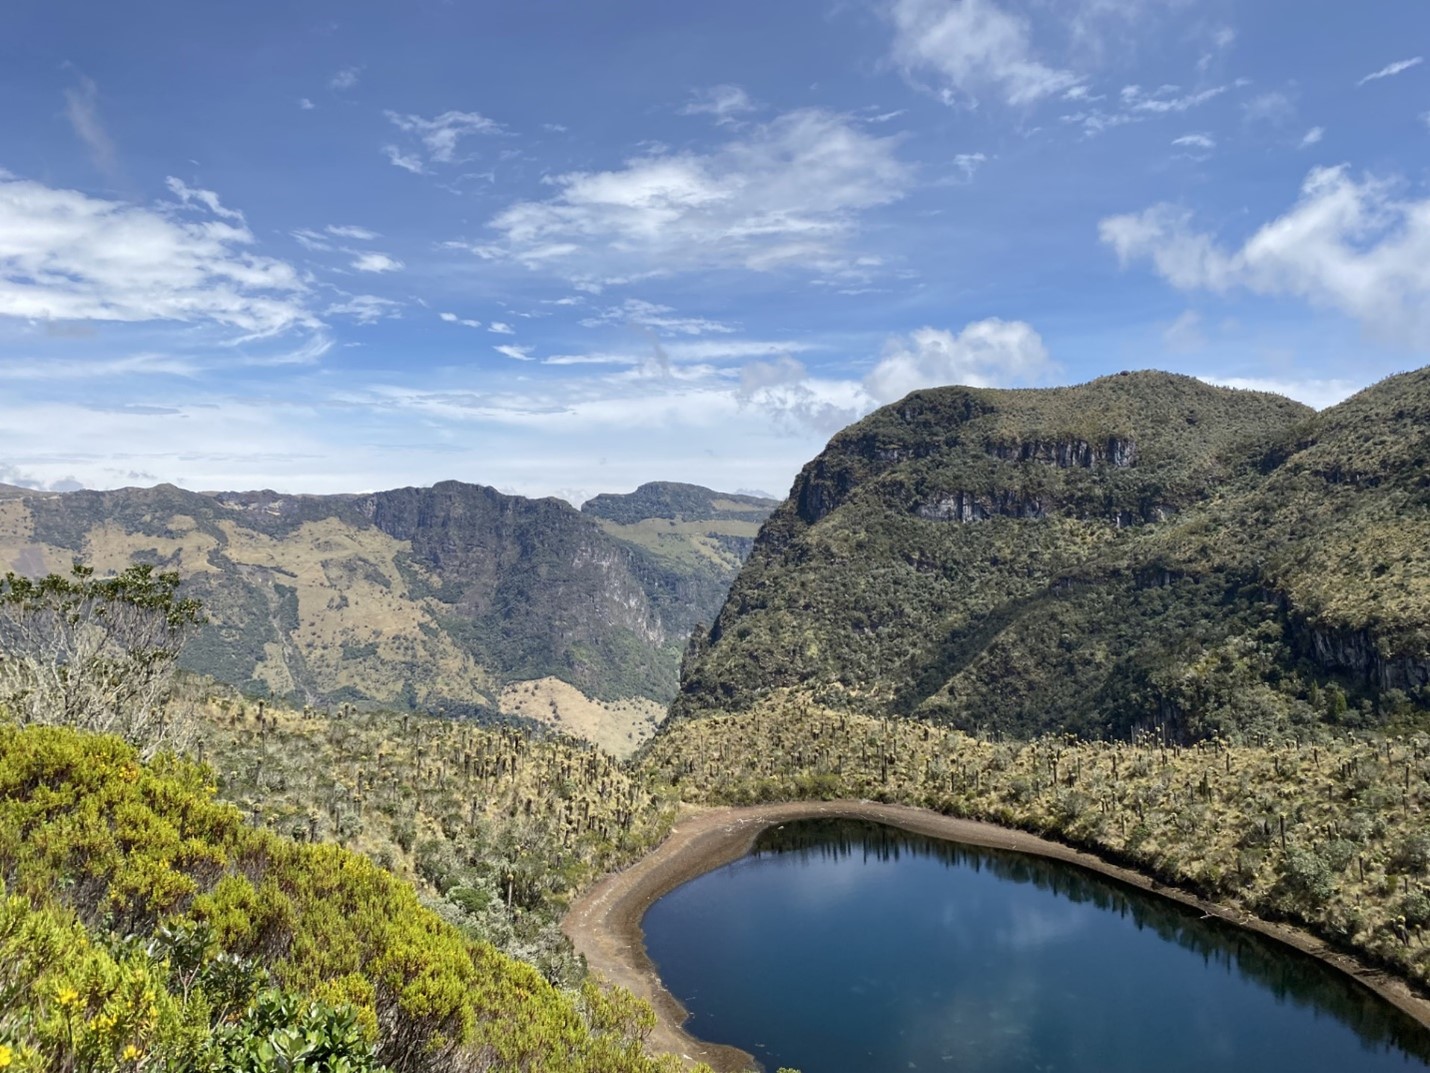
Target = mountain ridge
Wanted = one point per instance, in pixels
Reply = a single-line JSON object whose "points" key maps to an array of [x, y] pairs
{"points": [[1127, 552]]}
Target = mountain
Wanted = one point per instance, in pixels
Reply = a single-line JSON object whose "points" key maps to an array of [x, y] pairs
{"points": [[1142, 550], [438, 597]]}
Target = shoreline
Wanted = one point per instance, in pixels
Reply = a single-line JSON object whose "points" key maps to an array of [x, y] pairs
{"points": [[604, 923]]}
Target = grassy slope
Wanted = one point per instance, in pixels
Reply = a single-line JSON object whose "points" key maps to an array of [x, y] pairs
{"points": [[1185, 588]]}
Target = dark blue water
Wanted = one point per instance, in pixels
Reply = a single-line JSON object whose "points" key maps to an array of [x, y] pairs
{"points": [[844, 947]]}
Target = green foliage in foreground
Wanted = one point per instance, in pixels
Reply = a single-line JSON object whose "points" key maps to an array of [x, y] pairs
{"points": [[146, 918], [1327, 834]]}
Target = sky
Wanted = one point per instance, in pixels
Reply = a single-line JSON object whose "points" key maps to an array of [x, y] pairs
{"points": [[563, 247]]}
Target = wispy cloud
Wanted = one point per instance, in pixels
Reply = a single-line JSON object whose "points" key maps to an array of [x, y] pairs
{"points": [[1312, 137], [972, 46], [452, 318], [785, 193], [440, 136], [516, 353], [345, 79], [82, 111], [1392, 69], [501, 328], [351, 231], [725, 102], [1195, 141]]}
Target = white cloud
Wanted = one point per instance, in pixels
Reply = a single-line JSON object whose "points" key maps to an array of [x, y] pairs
{"points": [[1136, 105], [501, 328], [970, 46], [376, 262], [305, 104], [67, 256], [516, 353], [365, 308], [99, 369], [1347, 244], [1312, 137], [452, 318], [968, 163], [82, 111], [345, 79], [986, 353], [207, 198], [406, 161], [785, 194], [440, 135], [724, 102], [1274, 107], [351, 231], [1317, 394], [1195, 141], [635, 311], [1391, 69]]}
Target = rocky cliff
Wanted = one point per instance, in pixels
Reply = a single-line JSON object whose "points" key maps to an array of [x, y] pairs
{"points": [[433, 597]]}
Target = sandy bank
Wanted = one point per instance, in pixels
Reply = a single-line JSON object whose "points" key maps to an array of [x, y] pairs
{"points": [[605, 922]]}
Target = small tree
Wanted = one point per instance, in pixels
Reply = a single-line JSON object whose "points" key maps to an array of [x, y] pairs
{"points": [[97, 653]]}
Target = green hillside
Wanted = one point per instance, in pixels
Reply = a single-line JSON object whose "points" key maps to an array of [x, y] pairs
{"points": [[1143, 550]]}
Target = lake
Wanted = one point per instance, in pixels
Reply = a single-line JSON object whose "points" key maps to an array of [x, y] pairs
{"points": [[841, 946]]}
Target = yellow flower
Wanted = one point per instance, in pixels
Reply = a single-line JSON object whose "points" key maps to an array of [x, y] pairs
{"points": [[67, 996], [132, 1053], [7, 1056]]}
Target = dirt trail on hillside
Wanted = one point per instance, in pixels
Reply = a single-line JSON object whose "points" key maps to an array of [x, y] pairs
{"points": [[605, 922]]}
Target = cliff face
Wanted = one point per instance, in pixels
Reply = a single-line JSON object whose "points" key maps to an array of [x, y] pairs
{"points": [[1141, 549], [438, 597]]}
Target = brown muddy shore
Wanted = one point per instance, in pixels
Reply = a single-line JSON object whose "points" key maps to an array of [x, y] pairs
{"points": [[605, 922]]}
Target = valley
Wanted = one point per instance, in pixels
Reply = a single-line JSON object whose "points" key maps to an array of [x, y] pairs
{"points": [[1173, 634]]}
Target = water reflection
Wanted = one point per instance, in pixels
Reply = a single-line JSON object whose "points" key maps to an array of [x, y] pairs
{"points": [[842, 946]]}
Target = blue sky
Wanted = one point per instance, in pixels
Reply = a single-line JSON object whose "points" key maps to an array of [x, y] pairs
{"points": [[563, 248]]}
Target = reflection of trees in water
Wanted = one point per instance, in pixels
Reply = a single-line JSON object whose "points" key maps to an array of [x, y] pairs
{"points": [[1286, 973]]}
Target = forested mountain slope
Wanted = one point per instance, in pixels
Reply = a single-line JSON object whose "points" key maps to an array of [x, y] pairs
{"points": [[1142, 549], [434, 597]]}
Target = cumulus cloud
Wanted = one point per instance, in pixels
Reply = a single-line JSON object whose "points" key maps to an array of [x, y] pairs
{"points": [[1315, 393], [440, 136], [797, 403], [787, 193], [986, 353], [970, 47], [376, 262], [82, 111], [67, 256], [345, 79], [501, 328], [1392, 69], [1347, 244]]}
